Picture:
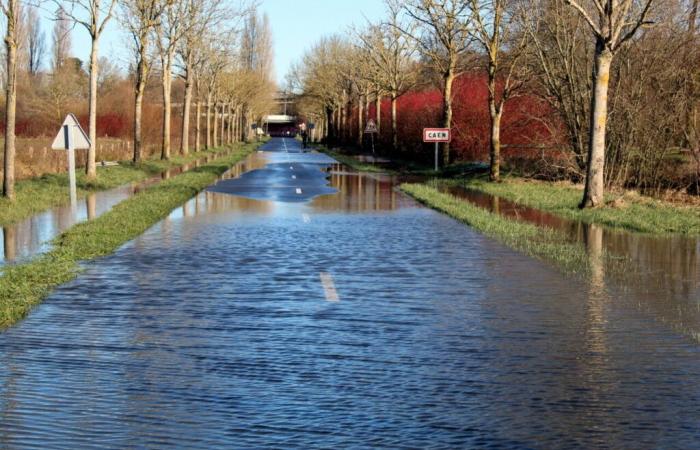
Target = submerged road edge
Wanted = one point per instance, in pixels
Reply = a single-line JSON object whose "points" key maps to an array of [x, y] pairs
{"points": [[26, 285]]}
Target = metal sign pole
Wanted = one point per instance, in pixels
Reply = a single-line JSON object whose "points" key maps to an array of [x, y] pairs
{"points": [[71, 167], [437, 150], [372, 134]]}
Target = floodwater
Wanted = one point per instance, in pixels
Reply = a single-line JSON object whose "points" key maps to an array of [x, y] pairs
{"points": [[33, 236], [661, 273], [353, 318]]}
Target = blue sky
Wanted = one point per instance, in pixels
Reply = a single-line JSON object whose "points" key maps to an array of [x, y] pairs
{"points": [[296, 25]]}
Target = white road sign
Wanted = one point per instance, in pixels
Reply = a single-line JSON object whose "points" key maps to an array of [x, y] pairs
{"points": [[437, 135], [71, 135]]}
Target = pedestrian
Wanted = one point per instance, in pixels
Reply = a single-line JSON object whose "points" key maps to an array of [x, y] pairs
{"points": [[305, 138]]}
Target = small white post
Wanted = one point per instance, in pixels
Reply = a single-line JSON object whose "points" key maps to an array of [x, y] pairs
{"points": [[71, 167], [437, 151]]}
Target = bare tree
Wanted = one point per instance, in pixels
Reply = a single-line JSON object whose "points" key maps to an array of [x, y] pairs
{"points": [[442, 36], [391, 51], [61, 39], [140, 17], [93, 15], [560, 57], [493, 28], [36, 41], [202, 19], [617, 22], [11, 9], [170, 30]]}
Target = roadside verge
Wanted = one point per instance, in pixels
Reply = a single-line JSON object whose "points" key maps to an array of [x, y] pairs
{"points": [[539, 242], [26, 285], [36, 195]]}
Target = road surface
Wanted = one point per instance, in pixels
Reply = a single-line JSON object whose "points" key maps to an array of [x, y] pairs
{"points": [[284, 309]]}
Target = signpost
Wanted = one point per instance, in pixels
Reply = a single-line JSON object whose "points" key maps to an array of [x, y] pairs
{"points": [[371, 129], [437, 135], [71, 137]]}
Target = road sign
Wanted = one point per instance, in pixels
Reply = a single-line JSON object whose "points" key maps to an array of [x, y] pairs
{"points": [[437, 135], [71, 137], [371, 127], [312, 126]]}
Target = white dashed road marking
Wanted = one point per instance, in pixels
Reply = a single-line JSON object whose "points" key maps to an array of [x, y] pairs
{"points": [[329, 287]]}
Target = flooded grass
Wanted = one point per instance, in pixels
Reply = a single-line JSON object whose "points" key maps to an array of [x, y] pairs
{"points": [[539, 242], [631, 212], [38, 194], [24, 286]]}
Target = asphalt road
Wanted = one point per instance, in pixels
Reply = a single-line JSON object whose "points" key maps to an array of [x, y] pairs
{"points": [[342, 316]]}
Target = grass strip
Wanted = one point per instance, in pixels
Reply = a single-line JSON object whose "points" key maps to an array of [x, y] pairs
{"points": [[542, 243], [36, 195], [352, 162], [631, 211], [26, 285]]}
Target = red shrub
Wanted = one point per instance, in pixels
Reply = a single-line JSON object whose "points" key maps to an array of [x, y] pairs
{"points": [[523, 121]]}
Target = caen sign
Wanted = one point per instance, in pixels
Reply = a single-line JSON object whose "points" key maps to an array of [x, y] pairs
{"points": [[437, 135]]}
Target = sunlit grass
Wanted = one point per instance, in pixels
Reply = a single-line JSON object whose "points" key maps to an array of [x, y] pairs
{"points": [[631, 212], [24, 286]]}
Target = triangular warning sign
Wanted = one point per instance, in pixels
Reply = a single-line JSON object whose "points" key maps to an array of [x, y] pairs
{"points": [[70, 135], [371, 127]]}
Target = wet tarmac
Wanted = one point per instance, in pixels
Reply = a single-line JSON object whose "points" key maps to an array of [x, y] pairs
{"points": [[355, 318]]}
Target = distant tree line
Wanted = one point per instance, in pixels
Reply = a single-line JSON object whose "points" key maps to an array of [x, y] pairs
{"points": [[214, 55], [616, 81]]}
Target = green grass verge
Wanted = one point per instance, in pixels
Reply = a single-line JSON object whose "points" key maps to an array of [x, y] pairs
{"points": [[25, 285], [542, 243], [630, 212], [39, 194]]}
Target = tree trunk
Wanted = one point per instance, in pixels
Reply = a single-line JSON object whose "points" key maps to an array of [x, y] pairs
{"points": [[167, 89], [495, 112], [209, 102], [138, 105], [378, 112], [215, 137], [234, 124], [360, 118], [447, 111], [91, 165], [198, 125], [185, 138], [8, 187], [495, 153], [223, 124], [329, 122], [593, 194], [394, 123]]}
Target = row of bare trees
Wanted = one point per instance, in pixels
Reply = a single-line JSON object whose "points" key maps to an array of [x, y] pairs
{"points": [[611, 71], [220, 49]]}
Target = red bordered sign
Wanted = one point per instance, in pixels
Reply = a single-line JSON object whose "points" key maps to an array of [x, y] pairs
{"points": [[437, 135]]}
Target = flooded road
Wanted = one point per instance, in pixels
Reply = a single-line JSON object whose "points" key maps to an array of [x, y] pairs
{"points": [[342, 316], [33, 235]]}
